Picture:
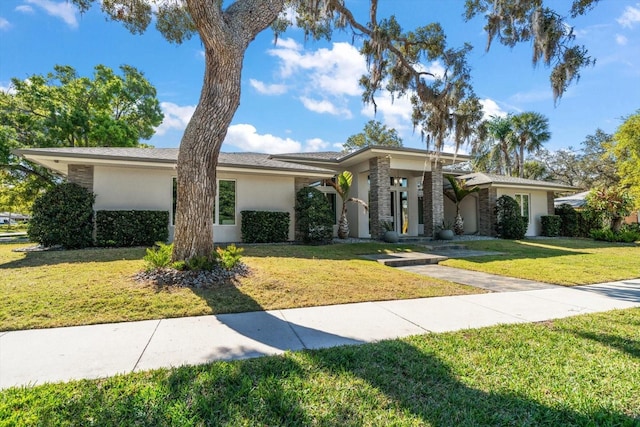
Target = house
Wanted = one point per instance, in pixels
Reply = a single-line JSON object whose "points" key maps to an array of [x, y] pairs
{"points": [[403, 186], [579, 201]]}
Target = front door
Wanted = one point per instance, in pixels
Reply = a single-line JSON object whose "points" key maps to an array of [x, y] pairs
{"points": [[400, 205]]}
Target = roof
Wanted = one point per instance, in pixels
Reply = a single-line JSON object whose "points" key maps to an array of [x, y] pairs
{"points": [[166, 156], [487, 179], [576, 200]]}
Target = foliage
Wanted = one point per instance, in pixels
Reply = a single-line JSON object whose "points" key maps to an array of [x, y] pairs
{"points": [[264, 226], [131, 228], [529, 131], [229, 257], [457, 193], [314, 218], [551, 225], [569, 220], [614, 203], [510, 224], [63, 109], [158, 256], [342, 185], [374, 134], [620, 236], [63, 215], [444, 104], [627, 152]]}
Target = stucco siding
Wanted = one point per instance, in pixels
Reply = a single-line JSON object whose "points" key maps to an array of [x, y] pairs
{"points": [[132, 189]]}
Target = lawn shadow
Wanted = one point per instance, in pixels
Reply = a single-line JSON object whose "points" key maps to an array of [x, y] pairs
{"points": [[626, 345], [332, 251], [74, 256]]}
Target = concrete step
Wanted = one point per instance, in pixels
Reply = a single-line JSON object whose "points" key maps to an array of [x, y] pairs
{"points": [[405, 259]]}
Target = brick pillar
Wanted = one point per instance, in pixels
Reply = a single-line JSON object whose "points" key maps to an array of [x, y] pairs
{"points": [[81, 175], [486, 210], [551, 209], [433, 200], [379, 195]]}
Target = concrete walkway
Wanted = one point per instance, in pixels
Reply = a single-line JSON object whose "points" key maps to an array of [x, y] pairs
{"points": [[33, 357]]}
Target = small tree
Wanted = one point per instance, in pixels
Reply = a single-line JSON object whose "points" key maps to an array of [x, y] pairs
{"points": [[614, 203], [510, 224], [63, 216], [314, 219], [456, 194], [342, 185], [374, 134]]}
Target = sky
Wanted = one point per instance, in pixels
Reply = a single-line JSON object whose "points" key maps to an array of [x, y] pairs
{"points": [[303, 96]]}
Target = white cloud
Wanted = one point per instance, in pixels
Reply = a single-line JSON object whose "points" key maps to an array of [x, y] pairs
{"points": [[24, 8], [324, 106], [4, 24], [491, 108], [246, 138], [621, 40], [630, 17], [395, 112], [268, 89], [176, 117], [316, 144], [63, 10], [10, 90]]}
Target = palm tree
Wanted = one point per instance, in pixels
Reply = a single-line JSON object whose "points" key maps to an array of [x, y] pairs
{"points": [[530, 130], [456, 194], [492, 149], [342, 185]]}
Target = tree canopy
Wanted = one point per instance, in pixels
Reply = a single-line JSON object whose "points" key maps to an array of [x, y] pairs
{"points": [[444, 104], [373, 134], [63, 109], [626, 150]]}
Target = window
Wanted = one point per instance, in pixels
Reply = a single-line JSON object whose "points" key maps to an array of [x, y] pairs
{"points": [[225, 201], [332, 198], [523, 201]]}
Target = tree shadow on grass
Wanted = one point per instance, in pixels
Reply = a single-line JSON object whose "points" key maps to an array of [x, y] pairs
{"points": [[76, 256]]}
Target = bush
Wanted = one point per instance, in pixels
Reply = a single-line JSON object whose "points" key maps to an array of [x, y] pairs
{"points": [[265, 227], [314, 217], [229, 257], [622, 236], [158, 256], [551, 225], [509, 223], [569, 220], [63, 215], [131, 228]]}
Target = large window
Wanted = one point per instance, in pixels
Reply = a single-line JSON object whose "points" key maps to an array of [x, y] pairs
{"points": [[225, 201], [523, 201]]}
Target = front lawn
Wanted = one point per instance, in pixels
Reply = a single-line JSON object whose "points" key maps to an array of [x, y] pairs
{"points": [[580, 371], [64, 288], [559, 261]]}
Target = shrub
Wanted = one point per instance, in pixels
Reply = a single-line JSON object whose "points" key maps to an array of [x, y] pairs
{"points": [[622, 236], [63, 215], [314, 217], [551, 225], [510, 224], [131, 228], [569, 220], [264, 226], [158, 256], [229, 257]]}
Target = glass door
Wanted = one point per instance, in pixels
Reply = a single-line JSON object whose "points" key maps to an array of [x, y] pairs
{"points": [[400, 205]]}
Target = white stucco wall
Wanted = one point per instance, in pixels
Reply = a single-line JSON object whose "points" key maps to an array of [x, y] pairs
{"points": [[537, 206], [151, 189]]}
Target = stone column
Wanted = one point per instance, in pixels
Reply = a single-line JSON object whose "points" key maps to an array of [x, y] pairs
{"points": [[81, 175], [433, 200], [379, 195], [487, 218]]}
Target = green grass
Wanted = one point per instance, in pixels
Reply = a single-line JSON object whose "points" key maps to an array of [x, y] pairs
{"points": [[578, 371], [64, 288], [560, 261]]}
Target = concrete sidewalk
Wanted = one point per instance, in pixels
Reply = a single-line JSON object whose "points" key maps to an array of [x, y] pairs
{"points": [[33, 357]]}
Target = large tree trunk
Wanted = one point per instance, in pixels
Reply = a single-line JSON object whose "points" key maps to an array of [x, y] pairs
{"points": [[199, 150]]}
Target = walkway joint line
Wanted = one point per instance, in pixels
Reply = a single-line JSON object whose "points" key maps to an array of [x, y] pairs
{"points": [[146, 345], [284, 316]]}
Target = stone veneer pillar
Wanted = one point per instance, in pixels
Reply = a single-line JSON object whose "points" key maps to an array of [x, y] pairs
{"points": [[486, 203], [433, 200], [81, 175], [379, 195]]}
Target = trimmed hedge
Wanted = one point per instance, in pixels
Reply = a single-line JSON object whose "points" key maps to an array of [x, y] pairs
{"points": [[569, 220], [63, 215], [264, 226], [314, 217], [131, 228], [551, 225], [510, 223]]}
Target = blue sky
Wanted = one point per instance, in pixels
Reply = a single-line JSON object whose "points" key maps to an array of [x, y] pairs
{"points": [[304, 96]]}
